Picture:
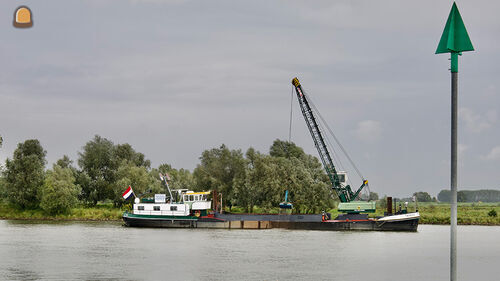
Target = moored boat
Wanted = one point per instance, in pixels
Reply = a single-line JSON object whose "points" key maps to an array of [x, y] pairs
{"points": [[194, 210]]}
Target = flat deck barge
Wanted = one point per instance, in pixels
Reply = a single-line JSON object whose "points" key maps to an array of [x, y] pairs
{"points": [[401, 222]]}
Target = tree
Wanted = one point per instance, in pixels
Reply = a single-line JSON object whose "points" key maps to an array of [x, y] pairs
{"points": [[126, 152], [64, 162], [128, 174], [59, 192], [99, 163], [461, 196], [444, 195], [180, 179], [286, 149], [373, 196], [423, 196], [99, 166], [251, 186], [483, 195], [3, 192], [218, 169], [267, 177], [24, 174]]}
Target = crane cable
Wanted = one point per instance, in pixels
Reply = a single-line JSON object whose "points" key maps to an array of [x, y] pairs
{"points": [[291, 112], [324, 123], [336, 140]]}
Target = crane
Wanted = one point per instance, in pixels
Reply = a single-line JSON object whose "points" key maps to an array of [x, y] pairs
{"points": [[338, 179]]}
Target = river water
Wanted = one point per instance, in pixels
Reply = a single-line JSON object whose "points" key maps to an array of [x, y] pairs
{"points": [[109, 251]]}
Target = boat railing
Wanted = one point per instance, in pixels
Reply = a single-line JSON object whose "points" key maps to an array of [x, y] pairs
{"points": [[160, 213]]}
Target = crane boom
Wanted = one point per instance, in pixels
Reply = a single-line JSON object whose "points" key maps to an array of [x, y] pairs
{"points": [[344, 192]]}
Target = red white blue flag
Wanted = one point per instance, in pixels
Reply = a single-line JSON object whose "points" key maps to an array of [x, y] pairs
{"points": [[129, 192]]}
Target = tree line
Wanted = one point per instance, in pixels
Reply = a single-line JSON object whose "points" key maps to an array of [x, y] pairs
{"points": [[104, 170], [482, 195]]}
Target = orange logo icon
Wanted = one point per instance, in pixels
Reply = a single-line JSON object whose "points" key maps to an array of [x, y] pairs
{"points": [[23, 17]]}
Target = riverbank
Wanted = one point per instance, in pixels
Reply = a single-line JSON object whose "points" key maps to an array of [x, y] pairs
{"points": [[430, 213], [101, 212], [467, 213]]}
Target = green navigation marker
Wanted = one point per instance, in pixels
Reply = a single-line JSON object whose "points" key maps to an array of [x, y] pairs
{"points": [[454, 40]]}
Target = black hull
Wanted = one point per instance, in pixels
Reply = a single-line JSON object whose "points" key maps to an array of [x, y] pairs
{"points": [[303, 222], [408, 225], [173, 223]]}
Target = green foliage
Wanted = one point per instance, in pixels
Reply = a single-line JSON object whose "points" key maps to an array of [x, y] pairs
{"points": [[372, 197], [266, 178], [286, 149], [461, 197], [260, 181], [482, 195], [24, 174], [59, 192], [64, 162], [492, 213], [99, 163], [439, 213], [444, 195], [218, 169], [423, 196], [98, 166], [179, 179], [3, 192], [126, 152], [141, 181], [100, 212]]}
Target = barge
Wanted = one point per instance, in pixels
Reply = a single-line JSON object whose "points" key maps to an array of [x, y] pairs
{"points": [[194, 211]]}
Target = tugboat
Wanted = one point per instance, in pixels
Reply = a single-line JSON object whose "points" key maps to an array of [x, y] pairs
{"points": [[181, 208], [158, 212]]}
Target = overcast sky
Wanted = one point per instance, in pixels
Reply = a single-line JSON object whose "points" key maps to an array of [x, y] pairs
{"points": [[174, 78]]}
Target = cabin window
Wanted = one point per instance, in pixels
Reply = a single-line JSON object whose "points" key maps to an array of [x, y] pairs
{"points": [[156, 208], [191, 197], [173, 208], [196, 198], [140, 208], [202, 197], [186, 197]]}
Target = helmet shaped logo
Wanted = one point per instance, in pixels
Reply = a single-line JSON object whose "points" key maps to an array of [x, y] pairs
{"points": [[23, 18]]}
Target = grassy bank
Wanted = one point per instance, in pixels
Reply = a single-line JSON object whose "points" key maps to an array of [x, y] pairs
{"points": [[101, 212], [467, 213], [430, 213]]}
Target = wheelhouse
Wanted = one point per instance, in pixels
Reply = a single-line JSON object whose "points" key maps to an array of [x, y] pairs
{"points": [[191, 204]]}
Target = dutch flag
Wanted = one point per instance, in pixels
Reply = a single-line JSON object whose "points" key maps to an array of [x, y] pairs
{"points": [[129, 192]]}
